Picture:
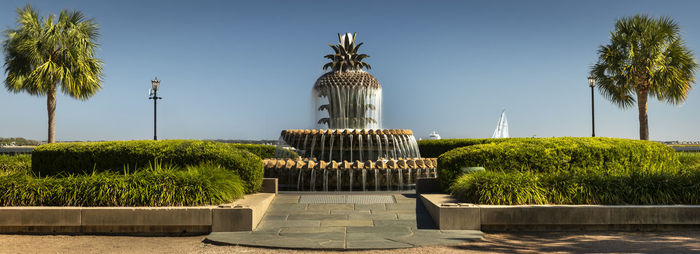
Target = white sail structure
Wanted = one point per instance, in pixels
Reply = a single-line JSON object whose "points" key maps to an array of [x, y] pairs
{"points": [[502, 128]]}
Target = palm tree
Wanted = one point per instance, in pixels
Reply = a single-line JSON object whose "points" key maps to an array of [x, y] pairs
{"points": [[646, 56], [45, 53]]}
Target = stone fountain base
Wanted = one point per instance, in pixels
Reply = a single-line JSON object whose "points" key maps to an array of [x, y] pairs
{"points": [[383, 174]]}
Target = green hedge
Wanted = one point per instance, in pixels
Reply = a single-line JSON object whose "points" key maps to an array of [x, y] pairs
{"points": [[641, 186], [555, 154], [262, 151], [206, 184], [120, 156], [10, 164], [432, 148]]}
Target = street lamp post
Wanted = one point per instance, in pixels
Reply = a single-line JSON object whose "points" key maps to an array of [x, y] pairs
{"points": [[154, 96], [591, 83]]}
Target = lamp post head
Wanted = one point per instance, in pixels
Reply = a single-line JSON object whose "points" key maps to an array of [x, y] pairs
{"points": [[591, 81], [155, 84]]}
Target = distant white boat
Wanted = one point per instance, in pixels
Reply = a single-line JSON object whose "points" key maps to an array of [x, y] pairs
{"points": [[434, 135], [502, 128]]}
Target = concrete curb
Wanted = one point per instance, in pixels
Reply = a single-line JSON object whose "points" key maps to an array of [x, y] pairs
{"points": [[448, 214], [242, 215]]}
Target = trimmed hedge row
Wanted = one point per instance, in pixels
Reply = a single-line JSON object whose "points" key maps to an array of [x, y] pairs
{"points": [[262, 151], [120, 156], [582, 186], [555, 154], [433, 148], [206, 184]]}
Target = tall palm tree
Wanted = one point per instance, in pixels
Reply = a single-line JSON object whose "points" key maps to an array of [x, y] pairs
{"points": [[646, 56], [42, 54]]}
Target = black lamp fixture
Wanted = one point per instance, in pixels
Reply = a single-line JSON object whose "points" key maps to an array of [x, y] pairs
{"points": [[154, 96], [591, 83]]}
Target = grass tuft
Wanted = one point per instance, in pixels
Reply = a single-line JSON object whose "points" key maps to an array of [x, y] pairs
{"points": [[10, 164], [155, 185], [638, 186], [689, 160]]}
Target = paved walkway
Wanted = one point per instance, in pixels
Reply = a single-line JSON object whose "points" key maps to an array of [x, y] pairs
{"points": [[353, 221], [514, 242]]}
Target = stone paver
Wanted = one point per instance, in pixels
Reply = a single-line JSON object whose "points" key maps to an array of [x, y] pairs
{"points": [[347, 223], [370, 207], [317, 217], [376, 216], [329, 207], [350, 212], [404, 223]]}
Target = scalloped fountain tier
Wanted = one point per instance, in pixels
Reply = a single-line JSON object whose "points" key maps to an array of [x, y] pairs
{"points": [[348, 144], [349, 159], [384, 174]]}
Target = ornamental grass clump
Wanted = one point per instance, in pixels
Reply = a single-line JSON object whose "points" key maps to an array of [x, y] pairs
{"points": [[10, 164], [499, 188], [155, 185], [689, 160], [591, 186]]}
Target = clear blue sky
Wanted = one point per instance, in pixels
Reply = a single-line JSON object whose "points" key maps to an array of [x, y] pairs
{"points": [[244, 70]]}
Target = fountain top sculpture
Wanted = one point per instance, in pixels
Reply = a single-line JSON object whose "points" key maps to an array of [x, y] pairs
{"points": [[347, 97], [346, 57]]}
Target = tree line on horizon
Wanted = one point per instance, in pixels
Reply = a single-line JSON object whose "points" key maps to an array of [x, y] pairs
{"points": [[18, 141], [645, 57]]}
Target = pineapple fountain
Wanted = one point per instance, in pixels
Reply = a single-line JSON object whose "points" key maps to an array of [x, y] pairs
{"points": [[349, 150]]}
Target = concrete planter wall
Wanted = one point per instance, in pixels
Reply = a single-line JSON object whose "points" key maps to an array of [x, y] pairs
{"points": [[242, 215], [449, 214]]}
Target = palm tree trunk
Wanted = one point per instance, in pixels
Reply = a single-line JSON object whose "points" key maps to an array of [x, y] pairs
{"points": [[51, 108], [642, 95]]}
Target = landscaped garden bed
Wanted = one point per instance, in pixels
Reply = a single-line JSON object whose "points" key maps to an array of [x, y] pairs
{"points": [[569, 171], [564, 184], [132, 173], [134, 187]]}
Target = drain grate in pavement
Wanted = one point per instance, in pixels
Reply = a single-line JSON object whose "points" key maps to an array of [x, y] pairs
{"points": [[322, 199], [369, 199], [346, 199]]}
